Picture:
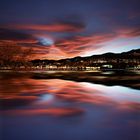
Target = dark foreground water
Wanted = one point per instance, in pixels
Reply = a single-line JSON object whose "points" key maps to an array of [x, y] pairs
{"points": [[55, 109]]}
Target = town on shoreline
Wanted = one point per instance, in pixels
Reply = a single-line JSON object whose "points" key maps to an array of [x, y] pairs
{"points": [[108, 61]]}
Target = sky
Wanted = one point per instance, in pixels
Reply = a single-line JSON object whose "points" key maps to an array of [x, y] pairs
{"points": [[57, 29]]}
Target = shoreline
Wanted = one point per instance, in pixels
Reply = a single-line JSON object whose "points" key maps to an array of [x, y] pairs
{"points": [[109, 78]]}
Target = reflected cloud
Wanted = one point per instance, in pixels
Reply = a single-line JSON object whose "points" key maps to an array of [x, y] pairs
{"points": [[59, 112], [11, 102], [23, 91]]}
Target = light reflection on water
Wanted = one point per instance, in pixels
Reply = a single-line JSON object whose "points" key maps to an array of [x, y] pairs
{"points": [[60, 109]]}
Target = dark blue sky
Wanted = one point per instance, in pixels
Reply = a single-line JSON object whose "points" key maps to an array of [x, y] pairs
{"points": [[76, 27]]}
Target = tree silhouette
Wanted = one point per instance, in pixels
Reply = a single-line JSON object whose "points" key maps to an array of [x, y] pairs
{"points": [[13, 56]]}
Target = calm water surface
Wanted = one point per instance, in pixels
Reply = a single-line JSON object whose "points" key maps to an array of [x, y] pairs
{"points": [[55, 109]]}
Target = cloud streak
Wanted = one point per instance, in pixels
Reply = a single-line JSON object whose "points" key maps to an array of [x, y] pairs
{"points": [[55, 27], [70, 44]]}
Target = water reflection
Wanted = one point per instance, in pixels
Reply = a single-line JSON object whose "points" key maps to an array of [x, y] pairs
{"points": [[87, 106]]}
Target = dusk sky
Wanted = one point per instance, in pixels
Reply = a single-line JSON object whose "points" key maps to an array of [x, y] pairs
{"points": [[58, 29]]}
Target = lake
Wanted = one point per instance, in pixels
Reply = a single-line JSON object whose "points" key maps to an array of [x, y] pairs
{"points": [[58, 109]]}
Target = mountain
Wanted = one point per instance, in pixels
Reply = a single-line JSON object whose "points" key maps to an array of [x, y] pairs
{"points": [[133, 54]]}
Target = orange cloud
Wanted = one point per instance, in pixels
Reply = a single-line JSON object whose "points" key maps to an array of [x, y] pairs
{"points": [[63, 48], [80, 44], [77, 45], [129, 32], [56, 27]]}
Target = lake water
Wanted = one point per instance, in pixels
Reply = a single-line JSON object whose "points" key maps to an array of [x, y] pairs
{"points": [[56, 109]]}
